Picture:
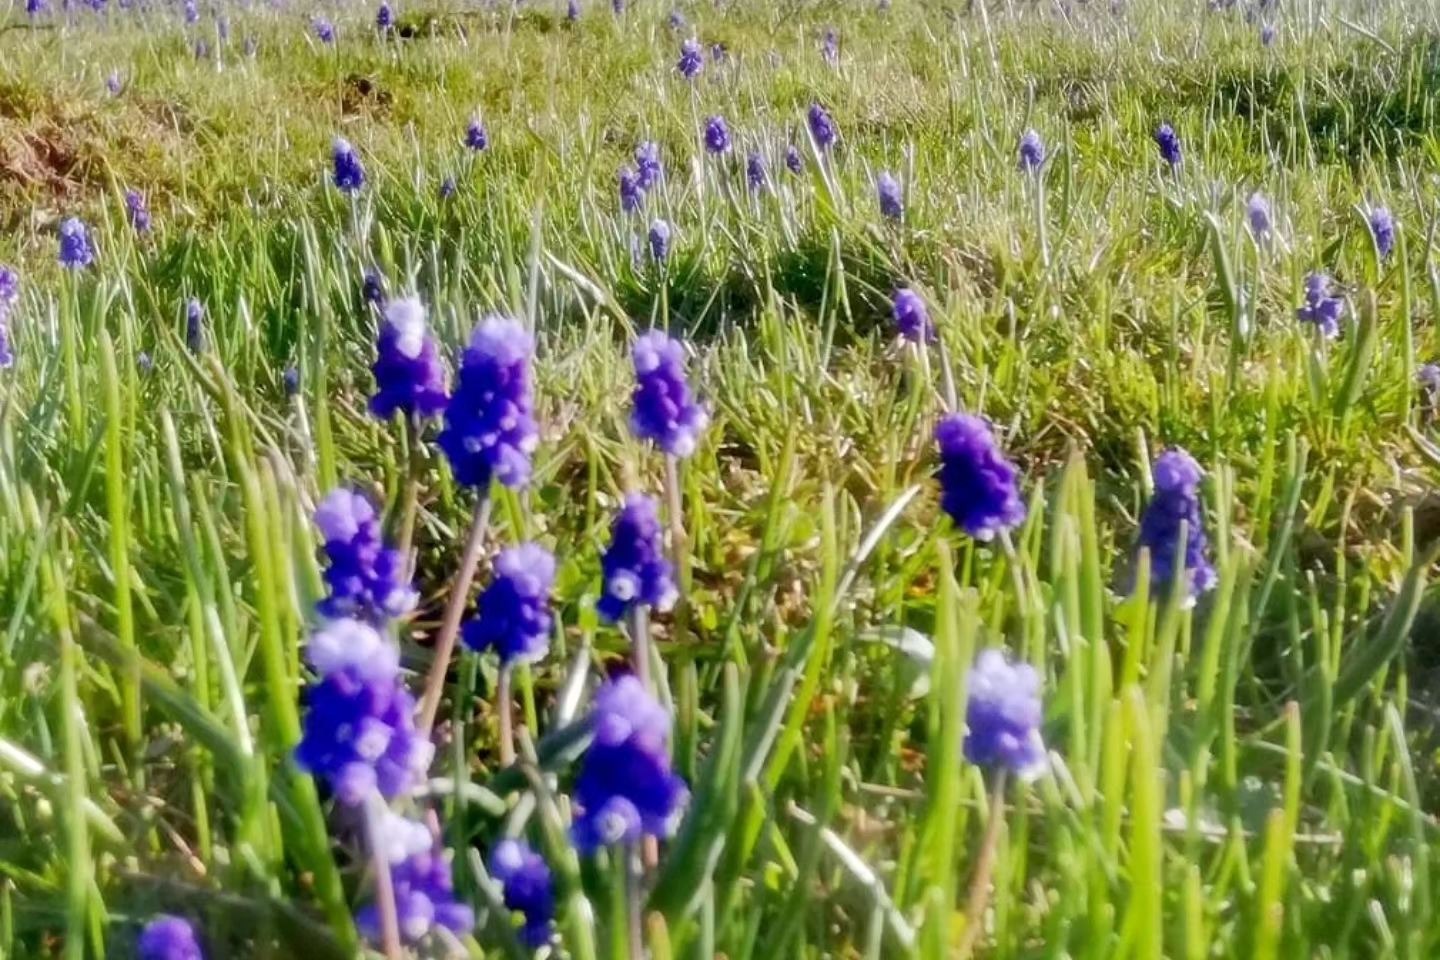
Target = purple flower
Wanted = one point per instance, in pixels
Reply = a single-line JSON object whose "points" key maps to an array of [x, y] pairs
{"points": [[526, 883], [513, 613], [424, 888], [691, 61], [617, 7], [144, 362], [477, 138], [384, 17], [409, 377], [830, 46], [447, 188], [192, 12], [572, 10], [1321, 308], [290, 380], [647, 165], [372, 288], [359, 734], [634, 568], [676, 20], [1257, 214], [1428, 377], [1267, 34], [1003, 715], [822, 127], [202, 49], [9, 289], [349, 174], [195, 325], [490, 428], [717, 135], [912, 320], [7, 355], [324, 29], [75, 249], [365, 578], [887, 191], [34, 8], [1032, 151], [719, 53], [1176, 501], [793, 163], [1382, 228], [631, 194], [168, 938], [979, 488], [659, 239], [1169, 144], [755, 175], [665, 412], [626, 788], [113, 84]]}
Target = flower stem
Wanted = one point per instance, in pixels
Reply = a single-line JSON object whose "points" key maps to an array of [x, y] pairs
{"points": [[979, 896], [679, 546], [507, 723], [384, 886], [632, 901], [450, 626], [640, 642]]}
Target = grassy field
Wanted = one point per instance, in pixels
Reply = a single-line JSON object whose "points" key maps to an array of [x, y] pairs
{"points": [[1251, 777]]}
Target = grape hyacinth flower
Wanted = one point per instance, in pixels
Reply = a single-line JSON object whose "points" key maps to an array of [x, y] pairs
{"points": [[1267, 35], [202, 49], [676, 20], [830, 46], [1321, 308], [626, 788], [409, 376], [192, 12], [359, 731], [1257, 214], [490, 428], [647, 165], [1169, 143], [572, 10], [195, 325], [665, 413], [979, 488], [822, 127], [912, 320], [324, 29], [365, 578], [631, 195], [691, 60], [423, 886], [384, 17], [717, 135], [33, 8], [447, 188], [168, 938], [755, 175], [527, 887], [659, 240], [1382, 228], [76, 251], [477, 138], [1032, 151], [719, 53], [1428, 376], [144, 363], [634, 568], [290, 381], [887, 191], [1176, 501], [1002, 716], [349, 174], [793, 162], [113, 84], [372, 288], [9, 296], [512, 616]]}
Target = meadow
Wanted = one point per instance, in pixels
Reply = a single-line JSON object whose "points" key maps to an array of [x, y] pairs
{"points": [[1040, 469]]}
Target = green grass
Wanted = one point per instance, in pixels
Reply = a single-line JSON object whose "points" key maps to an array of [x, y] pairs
{"points": [[1250, 778]]}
